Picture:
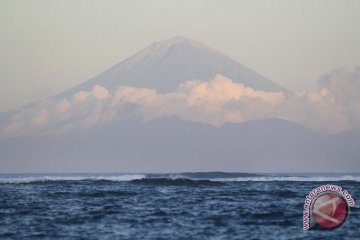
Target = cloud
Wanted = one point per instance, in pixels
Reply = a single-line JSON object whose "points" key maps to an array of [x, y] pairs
{"points": [[81, 96], [41, 117], [142, 96], [344, 87], [315, 111], [63, 106], [333, 107], [100, 92], [221, 90], [209, 102]]}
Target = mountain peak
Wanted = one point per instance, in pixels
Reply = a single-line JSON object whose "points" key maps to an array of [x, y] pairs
{"points": [[181, 40], [160, 48], [178, 39], [165, 65]]}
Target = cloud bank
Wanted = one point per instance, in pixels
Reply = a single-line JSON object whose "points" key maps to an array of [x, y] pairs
{"points": [[334, 107]]}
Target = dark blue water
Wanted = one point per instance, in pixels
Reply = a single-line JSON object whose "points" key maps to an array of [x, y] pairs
{"points": [[165, 206]]}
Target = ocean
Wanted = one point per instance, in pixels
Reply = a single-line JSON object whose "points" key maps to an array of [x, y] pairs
{"points": [[213, 205]]}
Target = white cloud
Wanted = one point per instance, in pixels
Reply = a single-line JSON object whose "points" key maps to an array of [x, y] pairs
{"points": [[100, 92], [334, 107], [208, 102], [142, 96], [81, 96], [221, 90]]}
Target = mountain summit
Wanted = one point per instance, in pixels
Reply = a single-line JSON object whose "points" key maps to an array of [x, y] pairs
{"points": [[165, 65]]}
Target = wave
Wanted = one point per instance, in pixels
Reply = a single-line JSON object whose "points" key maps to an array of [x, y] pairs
{"points": [[55, 178], [245, 177], [294, 179], [176, 182], [178, 178], [204, 175], [257, 177]]}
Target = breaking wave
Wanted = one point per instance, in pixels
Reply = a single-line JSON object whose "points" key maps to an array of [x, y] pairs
{"points": [[295, 179], [195, 178], [25, 178]]}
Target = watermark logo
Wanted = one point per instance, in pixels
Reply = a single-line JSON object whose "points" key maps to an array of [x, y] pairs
{"points": [[326, 207]]}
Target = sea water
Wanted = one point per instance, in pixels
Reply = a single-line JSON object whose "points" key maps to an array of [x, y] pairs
{"points": [[212, 205]]}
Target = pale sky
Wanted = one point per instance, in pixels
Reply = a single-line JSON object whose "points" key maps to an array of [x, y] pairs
{"points": [[49, 46]]}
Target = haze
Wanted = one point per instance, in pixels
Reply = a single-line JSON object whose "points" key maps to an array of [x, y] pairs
{"points": [[49, 46], [163, 86]]}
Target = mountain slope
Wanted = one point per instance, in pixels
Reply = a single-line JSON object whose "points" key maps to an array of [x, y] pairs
{"points": [[165, 65]]}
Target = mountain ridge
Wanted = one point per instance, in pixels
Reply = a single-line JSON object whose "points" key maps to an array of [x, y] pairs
{"points": [[172, 144]]}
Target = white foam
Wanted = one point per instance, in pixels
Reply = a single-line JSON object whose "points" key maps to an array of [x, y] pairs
{"points": [[129, 177], [42, 178], [335, 178], [293, 179]]}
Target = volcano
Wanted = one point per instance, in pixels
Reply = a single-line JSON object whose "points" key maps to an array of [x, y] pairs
{"points": [[154, 112], [167, 64]]}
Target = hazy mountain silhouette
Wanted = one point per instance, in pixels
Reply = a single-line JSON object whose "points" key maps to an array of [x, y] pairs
{"points": [[130, 144], [165, 65], [172, 144]]}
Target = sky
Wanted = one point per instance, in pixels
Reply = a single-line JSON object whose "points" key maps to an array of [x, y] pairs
{"points": [[49, 46]]}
